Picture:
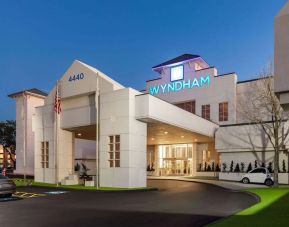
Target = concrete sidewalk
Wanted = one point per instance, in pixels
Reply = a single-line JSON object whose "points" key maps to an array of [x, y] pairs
{"points": [[224, 184]]}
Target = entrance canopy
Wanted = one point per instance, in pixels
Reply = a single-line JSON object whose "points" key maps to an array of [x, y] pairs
{"points": [[159, 113], [161, 133]]}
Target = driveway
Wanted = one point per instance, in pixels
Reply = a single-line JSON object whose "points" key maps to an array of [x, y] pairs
{"points": [[176, 203]]}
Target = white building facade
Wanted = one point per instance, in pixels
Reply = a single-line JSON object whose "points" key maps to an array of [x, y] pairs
{"points": [[185, 122]]}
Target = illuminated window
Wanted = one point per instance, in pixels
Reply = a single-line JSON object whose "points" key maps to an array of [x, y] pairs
{"points": [[206, 112], [188, 106], [114, 151], [45, 154], [177, 73], [223, 111]]}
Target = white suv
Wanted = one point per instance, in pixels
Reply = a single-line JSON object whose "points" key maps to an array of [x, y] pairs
{"points": [[258, 175]]}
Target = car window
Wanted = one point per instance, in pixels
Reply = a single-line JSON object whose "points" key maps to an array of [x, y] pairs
{"points": [[259, 170], [264, 171]]}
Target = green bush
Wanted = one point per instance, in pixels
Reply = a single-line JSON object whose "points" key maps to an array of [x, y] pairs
{"points": [[249, 167], [237, 168]]}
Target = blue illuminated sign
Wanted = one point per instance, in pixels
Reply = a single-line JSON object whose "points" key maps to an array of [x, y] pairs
{"points": [[180, 85], [79, 76]]}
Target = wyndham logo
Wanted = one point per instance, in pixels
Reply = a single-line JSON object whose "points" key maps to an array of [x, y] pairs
{"points": [[180, 85]]}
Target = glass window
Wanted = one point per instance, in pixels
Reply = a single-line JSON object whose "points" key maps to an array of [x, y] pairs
{"points": [[177, 73], [206, 112], [258, 171], [188, 106], [223, 111], [45, 154], [114, 151]]}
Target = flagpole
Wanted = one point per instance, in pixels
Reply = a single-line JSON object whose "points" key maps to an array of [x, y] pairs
{"points": [[24, 137], [56, 134], [97, 132]]}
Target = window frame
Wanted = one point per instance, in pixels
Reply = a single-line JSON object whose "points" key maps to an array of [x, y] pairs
{"points": [[206, 111], [44, 155], [223, 111], [114, 151], [189, 106]]}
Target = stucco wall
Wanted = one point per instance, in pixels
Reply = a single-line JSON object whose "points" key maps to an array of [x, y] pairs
{"points": [[117, 117], [25, 109], [221, 89]]}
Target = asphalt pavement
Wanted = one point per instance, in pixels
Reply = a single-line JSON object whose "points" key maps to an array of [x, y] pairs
{"points": [[176, 203]]}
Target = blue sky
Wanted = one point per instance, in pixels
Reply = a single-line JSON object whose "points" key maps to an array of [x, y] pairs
{"points": [[124, 39]]}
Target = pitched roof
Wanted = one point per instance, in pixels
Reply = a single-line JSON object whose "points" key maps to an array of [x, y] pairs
{"points": [[181, 58], [32, 91]]}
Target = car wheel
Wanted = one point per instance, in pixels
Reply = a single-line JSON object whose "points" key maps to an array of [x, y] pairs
{"points": [[246, 180], [268, 182]]}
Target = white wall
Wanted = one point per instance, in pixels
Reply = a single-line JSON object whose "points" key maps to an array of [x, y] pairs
{"points": [[25, 108], [117, 117], [245, 143], [221, 89]]}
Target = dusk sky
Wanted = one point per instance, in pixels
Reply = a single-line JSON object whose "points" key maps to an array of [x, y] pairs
{"points": [[124, 39]]}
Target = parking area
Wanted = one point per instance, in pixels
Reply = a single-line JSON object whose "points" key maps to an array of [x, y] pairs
{"points": [[177, 203]]}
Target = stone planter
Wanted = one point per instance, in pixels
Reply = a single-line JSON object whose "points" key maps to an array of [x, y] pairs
{"points": [[206, 174], [230, 176], [283, 178]]}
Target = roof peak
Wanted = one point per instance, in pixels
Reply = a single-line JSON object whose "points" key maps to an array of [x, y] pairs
{"points": [[34, 91], [183, 57]]}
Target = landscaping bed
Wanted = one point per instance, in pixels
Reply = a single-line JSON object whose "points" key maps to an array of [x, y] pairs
{"points": [[21, 183], [271, 211]]}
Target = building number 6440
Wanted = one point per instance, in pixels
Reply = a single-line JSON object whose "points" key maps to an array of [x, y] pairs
{"points": [[79, 76]]}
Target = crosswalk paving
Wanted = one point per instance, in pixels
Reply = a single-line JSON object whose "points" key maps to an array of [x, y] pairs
{"points": [[27, 195]]}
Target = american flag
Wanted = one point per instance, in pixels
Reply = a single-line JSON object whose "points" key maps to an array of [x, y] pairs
{"points": [[57, 101]]}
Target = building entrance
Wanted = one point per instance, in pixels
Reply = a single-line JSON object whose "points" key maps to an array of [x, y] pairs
{"points": [[175, 159]]}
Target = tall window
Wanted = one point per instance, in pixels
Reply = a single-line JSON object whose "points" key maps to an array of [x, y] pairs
{"points": [[188, 106], [223, 111], [45, 154], [206, 112], [114, 151]]}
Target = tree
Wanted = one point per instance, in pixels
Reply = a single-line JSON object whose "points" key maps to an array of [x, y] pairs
{"points": [[232, 166], [237, 168], [8, 137], [255, 164], [263, 109], [242, 167], [283, 166], [249, 167], [224, 165]]}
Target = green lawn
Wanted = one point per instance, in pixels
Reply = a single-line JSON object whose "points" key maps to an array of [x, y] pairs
{"points": [[21, 183], [273, 210]]}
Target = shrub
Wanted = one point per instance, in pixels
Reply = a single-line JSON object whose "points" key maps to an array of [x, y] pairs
{"points": [[249, 167], [200, 167], [269, 167], [283, 166], [255, 164], [77, 167], [218, 167], [224, 166], [213, 166], [237, 168], [209, 168], [232, 166], [263, 165], [205, 167], [242, 167]]}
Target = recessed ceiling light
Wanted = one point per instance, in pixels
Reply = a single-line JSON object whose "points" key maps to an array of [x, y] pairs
{"points": [[196, 140], [182, 137], [79, 134], [152, 138], [166, 132]]}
